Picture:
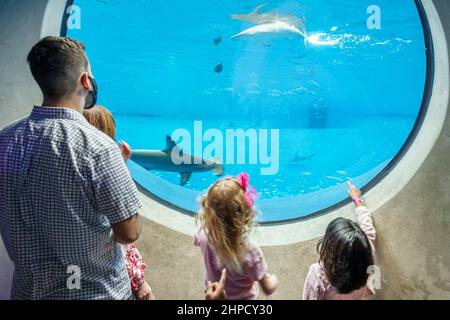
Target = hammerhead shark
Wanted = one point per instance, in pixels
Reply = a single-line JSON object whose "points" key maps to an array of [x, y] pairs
{"points": [[162, 160], [270, 22]]}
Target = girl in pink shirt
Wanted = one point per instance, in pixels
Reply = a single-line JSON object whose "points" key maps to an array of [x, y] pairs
{"points": [[226, 217], [346, 255]]}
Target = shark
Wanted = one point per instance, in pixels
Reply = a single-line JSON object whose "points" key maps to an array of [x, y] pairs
{"points": [[270, 22], [273, 27], [298, 158], [162, 160]]}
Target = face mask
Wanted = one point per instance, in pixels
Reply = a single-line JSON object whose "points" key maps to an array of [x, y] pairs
{"points": [[91, 99]]}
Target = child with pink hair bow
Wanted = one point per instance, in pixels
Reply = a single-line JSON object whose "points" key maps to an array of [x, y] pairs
{"points": [[226, 217]]}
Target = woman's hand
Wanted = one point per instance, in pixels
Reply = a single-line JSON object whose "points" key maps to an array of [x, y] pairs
{"points": [[125, 149], [216, 290]]}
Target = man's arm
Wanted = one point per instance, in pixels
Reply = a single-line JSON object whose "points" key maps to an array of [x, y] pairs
{"points": [[127, 231], [114, 193]]}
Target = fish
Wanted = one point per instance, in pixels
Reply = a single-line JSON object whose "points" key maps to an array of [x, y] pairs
{"points": [[334, 178], [219, 68], [272, 21], [314, 83], [273, 27], [217, 41], [162, 160], [257, 17], [298, 158]]}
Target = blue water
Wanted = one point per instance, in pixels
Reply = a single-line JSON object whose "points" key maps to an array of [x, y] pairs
{"points": [[350, 102]]}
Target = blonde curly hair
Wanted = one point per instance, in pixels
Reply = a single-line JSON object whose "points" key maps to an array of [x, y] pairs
{"points": [[227, 217]]}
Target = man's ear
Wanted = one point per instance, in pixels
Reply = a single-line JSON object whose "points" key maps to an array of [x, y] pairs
{"points": [[85, 82]]}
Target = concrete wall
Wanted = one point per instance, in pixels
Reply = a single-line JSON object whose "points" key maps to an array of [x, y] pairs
{"points": [[22, 23], [413, 226], [20, 28]]}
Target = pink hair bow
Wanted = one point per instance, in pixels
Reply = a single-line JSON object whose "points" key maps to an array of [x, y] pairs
{"points": [[249, 191]]}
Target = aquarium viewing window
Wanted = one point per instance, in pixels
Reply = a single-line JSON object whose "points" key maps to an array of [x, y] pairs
{"points": [[302, 95]]}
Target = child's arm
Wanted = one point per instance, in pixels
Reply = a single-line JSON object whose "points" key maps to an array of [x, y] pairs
{"points": [[258, 271], [365, 221], [126, 150], [363, 215], [135, 266], [269, 283]]}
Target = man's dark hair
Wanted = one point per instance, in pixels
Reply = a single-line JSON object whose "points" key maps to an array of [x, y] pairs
{"points": [[56, 63], [345, 255]]}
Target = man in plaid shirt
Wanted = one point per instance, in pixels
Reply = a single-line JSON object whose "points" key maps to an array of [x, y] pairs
{"points": [[66, 197]]}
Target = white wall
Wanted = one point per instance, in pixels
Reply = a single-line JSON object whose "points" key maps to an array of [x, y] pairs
{"points": [[22, 24]]}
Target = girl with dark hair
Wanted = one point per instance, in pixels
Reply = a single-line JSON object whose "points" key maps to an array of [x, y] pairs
{"points": [[346, 257]]}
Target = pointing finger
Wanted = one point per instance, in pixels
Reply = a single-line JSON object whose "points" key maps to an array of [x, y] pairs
{"points": [[223, 278]]}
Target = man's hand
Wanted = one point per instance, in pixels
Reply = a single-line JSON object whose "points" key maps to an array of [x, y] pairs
{"points": [[216, 290]]}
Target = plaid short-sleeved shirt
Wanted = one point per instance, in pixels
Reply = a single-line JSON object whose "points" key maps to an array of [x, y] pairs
{"points": [[62, 184]]}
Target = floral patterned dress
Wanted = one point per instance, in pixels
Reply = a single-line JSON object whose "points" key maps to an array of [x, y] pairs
{"points": [[135, 265]]}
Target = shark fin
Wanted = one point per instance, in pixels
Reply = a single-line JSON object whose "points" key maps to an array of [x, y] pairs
{"points": [[305, 38], [258, 8], [236, 36], [171, 146], [185, 176]]}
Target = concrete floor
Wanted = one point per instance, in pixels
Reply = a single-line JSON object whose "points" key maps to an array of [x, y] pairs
{"points": [[414, 232]]}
